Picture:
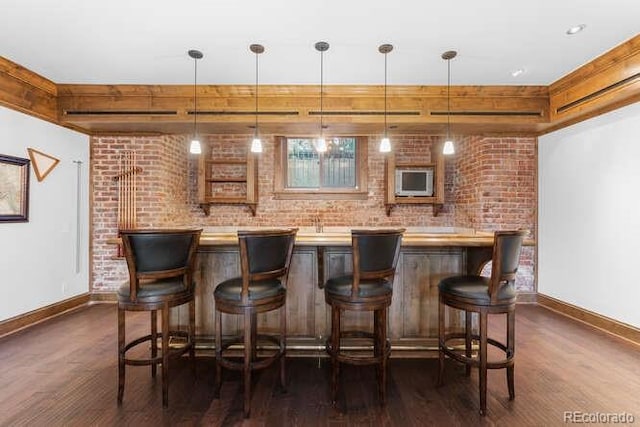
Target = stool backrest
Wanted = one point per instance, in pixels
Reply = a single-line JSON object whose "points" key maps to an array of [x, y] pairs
{"points": [[507, 246], [159, 254], [265, 255], [375, 254]]}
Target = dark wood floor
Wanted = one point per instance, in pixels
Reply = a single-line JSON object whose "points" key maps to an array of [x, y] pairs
{"points": [[63, 372]]}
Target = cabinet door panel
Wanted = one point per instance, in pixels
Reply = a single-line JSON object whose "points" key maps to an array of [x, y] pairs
{"points": [[300, 303], [421, 273], [212, 268]]}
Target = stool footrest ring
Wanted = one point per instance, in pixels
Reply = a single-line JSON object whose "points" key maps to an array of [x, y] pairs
{"points": [[354, 359], [173, 352], [455, 354], [255, 364]]}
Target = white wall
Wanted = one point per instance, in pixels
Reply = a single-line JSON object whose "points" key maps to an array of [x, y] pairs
{"points": [[38, 258], [589, 215]]}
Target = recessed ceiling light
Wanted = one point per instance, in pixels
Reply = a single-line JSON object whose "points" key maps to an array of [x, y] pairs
{"points": [[574, 30], [516, 73]]}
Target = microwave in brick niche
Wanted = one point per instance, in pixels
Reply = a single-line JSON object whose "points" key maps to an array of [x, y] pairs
{"points": [[414, 182]]}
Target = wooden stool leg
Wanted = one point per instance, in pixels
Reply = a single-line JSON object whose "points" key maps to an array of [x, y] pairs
{"points": [[154, 341], [218, 381], [483, 362], [441, 344], [335, 350], [376, 343], [254, 336], [121, 365], [165, 355], [283, 347], [192, 335], [381, 339], [248, 351], [511, 334], [467, 340]]}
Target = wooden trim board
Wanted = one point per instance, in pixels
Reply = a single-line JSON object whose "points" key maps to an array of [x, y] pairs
{"points": [[622, 330], [30, 318]]}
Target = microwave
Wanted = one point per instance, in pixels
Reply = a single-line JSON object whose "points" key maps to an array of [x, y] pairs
{"points": [[414, 182]]}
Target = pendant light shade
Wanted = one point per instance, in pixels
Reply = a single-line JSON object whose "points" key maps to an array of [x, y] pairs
{"points": [[385, 143], [195, 147], [256, 143], [448, 147], [321, 143]]}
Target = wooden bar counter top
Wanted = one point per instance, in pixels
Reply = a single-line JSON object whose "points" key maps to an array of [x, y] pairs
{"points": [[340, 236]]}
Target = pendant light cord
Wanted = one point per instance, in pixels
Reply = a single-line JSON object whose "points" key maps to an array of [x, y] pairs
{"points": [[448, 99], [195, 98], [321, 92], [256, 128], [385, 95]]}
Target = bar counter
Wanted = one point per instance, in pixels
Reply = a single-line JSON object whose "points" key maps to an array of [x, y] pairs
{"points": [[427, 255]]}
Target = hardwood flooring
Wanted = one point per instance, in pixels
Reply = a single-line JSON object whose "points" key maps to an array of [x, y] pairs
{"points": [[63, 372]]}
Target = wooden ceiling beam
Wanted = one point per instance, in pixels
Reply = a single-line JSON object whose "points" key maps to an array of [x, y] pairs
{"points": [[26, 91], [170, 106], [608, 82]]}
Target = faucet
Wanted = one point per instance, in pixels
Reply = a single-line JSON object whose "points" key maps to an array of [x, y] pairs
{"points": [[317, 223]]}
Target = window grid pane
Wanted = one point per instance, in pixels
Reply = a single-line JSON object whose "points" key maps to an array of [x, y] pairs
{"points": [[303, 164], [338, 164]]}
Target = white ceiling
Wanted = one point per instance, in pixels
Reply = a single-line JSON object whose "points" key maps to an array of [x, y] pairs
{"points": [[146, 41]]}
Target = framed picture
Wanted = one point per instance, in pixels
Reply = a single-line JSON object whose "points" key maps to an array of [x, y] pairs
{"points": [[14, 189]]}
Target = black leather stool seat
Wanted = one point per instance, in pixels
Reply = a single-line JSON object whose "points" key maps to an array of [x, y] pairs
{"points": [[153, 288], [368, 288], [475, 288], [232, 289]]}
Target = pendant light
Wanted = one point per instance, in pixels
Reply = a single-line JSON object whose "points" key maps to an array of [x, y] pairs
{"points": [[321, 144], [256, 143], [385, 144], [448, 147], [195, 147]]}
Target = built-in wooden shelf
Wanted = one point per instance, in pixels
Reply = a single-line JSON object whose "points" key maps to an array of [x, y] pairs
{"points": [[437, 200], [227, 173], [230, 179], [226, 162]]}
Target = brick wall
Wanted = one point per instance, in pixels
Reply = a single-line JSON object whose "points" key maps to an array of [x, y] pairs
{"points": [[495, 188], [478, 191], [162, 195]]}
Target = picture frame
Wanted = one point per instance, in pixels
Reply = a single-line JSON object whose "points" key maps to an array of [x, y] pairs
{"points": [[14, 189]]}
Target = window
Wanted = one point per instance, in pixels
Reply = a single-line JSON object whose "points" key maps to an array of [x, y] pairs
{"points": [[338, 173]]}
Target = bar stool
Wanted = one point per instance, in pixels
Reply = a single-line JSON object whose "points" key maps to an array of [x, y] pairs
{"points": [[161, 264], [265, 257], [368, 288], [477, 294]]}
